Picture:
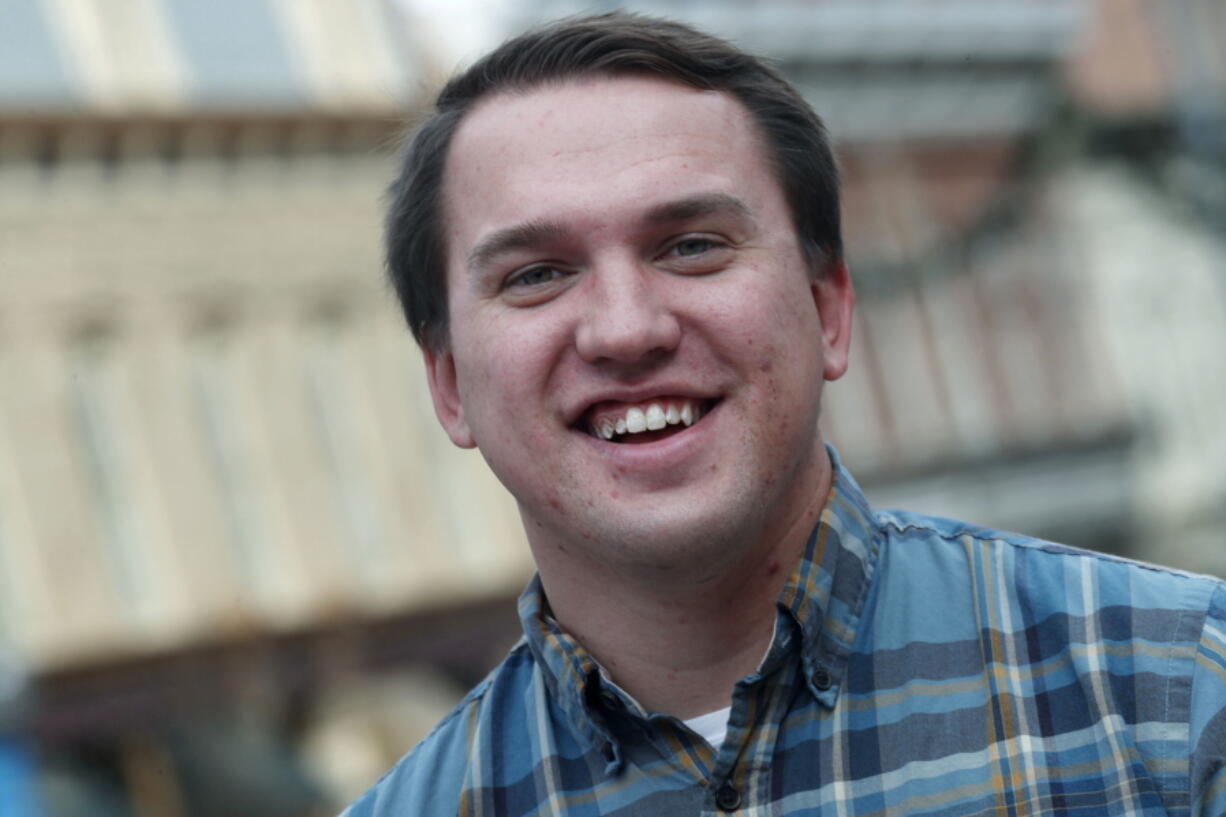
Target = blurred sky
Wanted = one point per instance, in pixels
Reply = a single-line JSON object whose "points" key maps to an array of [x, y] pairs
{"points": [[464, 28]]}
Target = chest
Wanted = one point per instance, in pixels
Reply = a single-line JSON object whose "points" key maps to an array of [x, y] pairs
{"points": [[977, 747]]}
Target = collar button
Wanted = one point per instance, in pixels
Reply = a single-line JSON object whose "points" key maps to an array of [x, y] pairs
{"points": [[822, 679], [728, 798]]}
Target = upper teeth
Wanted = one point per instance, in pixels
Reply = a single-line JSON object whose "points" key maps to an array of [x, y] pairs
{"points": [[636, 420]]}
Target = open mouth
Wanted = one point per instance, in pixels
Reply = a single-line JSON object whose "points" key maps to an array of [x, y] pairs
{"points": [[644, 422]]}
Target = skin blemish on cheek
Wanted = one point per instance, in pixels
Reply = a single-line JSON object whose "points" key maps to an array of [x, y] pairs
{"points": [[614, 495], [772, 568]]}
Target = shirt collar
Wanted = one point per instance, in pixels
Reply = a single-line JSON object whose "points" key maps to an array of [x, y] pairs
{"points": [[822, 601], [825, 594], [570, 673]]}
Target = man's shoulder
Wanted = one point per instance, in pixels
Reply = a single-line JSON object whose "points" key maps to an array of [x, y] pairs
{"points": [[1034, 569], [428, 779]]}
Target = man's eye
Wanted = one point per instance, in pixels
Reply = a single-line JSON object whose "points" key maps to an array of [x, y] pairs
{"points": [[693, 246], [534, 277]]}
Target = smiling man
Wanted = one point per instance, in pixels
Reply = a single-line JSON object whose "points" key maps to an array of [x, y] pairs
{"points": [[617, 241]]}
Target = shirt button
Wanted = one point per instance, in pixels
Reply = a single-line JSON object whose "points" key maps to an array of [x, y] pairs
{"points": [[821, 679], [728, 798]]}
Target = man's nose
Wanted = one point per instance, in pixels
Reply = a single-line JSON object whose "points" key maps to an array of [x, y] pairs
{"points": [[627, 317]]}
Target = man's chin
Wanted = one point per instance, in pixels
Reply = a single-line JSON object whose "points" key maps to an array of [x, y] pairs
{"points": [[656, 537]]}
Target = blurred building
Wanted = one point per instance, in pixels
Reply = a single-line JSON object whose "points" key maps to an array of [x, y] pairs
{"points": [[244, 565], [223, 498]]}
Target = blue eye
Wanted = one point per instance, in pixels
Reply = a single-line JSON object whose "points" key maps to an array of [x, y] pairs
{"points": [[535, 276], [693, 246]]}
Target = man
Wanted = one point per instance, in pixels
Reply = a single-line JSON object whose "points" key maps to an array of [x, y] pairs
{"points": [[617, 241]]}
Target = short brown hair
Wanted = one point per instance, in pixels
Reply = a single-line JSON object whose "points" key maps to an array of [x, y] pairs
{"points": [[615, 44]]}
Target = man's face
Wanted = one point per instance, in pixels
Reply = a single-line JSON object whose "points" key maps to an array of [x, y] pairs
{"points": [[621, 256]]}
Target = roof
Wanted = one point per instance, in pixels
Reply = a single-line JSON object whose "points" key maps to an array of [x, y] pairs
{"points": [[169, 55]]}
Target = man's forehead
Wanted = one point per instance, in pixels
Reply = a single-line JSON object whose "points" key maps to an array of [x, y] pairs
{"points": [[589, 85], [532, 138], [552, 109]]}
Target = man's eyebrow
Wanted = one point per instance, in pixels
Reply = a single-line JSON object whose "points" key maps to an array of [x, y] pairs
{"points": [[516, 237], [703, 204]]}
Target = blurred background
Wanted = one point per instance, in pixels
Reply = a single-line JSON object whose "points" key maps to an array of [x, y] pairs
{"points": [[242, 571]]}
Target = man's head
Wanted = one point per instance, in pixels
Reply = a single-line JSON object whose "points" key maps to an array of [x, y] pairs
{"points": [[610, 45], [638, 332]]}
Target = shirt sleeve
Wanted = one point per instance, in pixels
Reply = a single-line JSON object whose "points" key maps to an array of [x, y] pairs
{"points": [[428, 780], [1208, 716]]}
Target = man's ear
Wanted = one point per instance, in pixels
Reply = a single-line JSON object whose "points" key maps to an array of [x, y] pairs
{"points": [[834, 298], [445, 392]]}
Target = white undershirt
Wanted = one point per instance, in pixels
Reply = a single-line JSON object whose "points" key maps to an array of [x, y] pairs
{"points": [[711, 727]]}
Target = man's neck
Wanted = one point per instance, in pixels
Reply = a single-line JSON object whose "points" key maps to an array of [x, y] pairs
{"points": [[680, 646]]}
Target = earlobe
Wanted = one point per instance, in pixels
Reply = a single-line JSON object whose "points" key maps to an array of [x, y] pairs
{"points": [[445, 392], [834, 298]]}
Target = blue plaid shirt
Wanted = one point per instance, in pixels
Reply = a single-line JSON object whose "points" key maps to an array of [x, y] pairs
{"points": [[919, 666]]}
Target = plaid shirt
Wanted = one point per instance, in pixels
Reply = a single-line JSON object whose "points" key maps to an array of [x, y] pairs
{"points": [[919, 666]]}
